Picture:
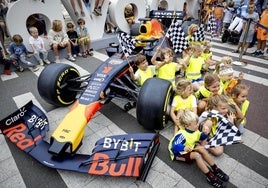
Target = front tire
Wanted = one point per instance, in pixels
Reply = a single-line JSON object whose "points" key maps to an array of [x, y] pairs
{"points": [[153, 103], [53, 85]]}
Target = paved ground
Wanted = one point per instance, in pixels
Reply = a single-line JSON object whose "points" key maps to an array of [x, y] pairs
{"points": [[246, 163]]}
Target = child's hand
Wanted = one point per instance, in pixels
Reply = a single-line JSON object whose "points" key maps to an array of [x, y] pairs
{"points": [[187, 149], [28, 55], [240, 76], [35, 52], [130, 69]]}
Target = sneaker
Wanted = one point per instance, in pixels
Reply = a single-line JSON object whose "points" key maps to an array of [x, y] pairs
{"points": [[20, 68], [215, 182], [97, 12], [256, 53], [79, 55], [221, 175], [34, 68], [261, 53], [74, 55], [7, 72], [41, 62], [70, 58], [47, 61], [76, 13], [57, 60]]}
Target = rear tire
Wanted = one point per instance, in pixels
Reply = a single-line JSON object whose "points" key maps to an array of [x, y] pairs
{"points": [[153, 103], [53, 84]]}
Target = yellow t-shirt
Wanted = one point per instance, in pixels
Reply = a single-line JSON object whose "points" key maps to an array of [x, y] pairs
{"points": [[167, 71], [180, 104], [193, 70]]}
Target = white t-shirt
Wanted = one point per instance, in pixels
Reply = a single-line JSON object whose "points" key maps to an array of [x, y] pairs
{"points": [[228, 15], [36, 42]]}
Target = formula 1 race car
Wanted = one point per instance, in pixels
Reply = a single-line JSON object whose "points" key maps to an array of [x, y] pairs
{"points": [[121, 155]]}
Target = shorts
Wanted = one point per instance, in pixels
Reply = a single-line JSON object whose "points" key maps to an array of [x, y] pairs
{"points": [[59, 47], [261, 35], [185, 157], [249, 37], [197, 80]]}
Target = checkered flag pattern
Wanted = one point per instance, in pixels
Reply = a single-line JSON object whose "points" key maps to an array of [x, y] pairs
{"points": [[127, 43], [199, 35], [226, 133], [211, 25], [177, 37]]}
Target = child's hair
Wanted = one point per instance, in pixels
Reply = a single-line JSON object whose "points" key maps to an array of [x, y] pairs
{"points": [[70, 25], [191, 27], [196, 46], [182, 85], [215, 100], [207, 44], [57, 25], [81, 21], [238, 89], [17, 39], [231, 4], [226, 60], [223, 69], [210, 78], [187, 117], [139, 59], [166, 51], [33, 29]]}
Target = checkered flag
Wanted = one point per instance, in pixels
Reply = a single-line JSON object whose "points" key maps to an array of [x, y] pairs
{"points": [[211, 25], [177, 37], [127, 43], [199, 35], [226, 133]]}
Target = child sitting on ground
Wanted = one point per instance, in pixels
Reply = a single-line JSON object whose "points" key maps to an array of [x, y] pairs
{"points": [[220, 104], [38, 46], [211, 87], [144, 71], [239, 95], [182, 147], [5, 61], [183, 99], [18, 52], [226, 74]]}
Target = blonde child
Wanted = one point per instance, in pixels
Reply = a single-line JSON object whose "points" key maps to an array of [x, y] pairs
{"points": [[211, 87], [144, 71], [191, 30], [194, 65], [129, 15], [219, 103], [184, 99], [182, 147], [18, 52], [58, 39], [37, 44], [167, 68], [226, 74], [207, 54], [84, 38], [239, 95]]}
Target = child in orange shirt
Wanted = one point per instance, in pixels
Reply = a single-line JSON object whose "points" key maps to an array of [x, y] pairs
{"points": [[262, 34], [218, 14]]}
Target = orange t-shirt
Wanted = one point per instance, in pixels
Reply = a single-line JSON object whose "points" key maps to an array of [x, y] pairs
{"points": [[218, 13]]}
